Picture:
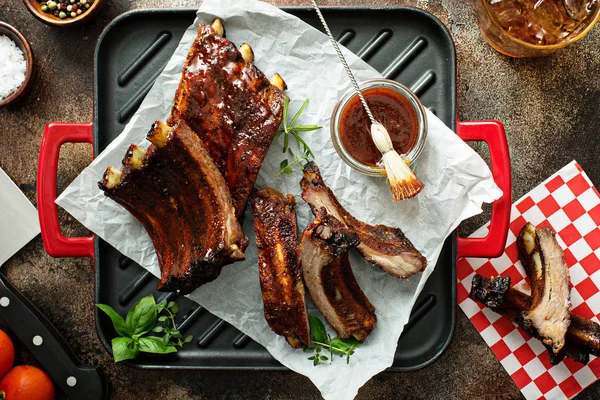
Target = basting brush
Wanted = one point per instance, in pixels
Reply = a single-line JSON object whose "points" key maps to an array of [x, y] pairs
{"points": [[403, 182]]}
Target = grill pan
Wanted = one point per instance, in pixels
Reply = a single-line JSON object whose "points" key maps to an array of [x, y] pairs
{"points": [[404, 44]]}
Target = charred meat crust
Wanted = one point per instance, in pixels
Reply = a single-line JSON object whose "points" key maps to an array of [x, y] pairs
{"points": [[182, 201], [329, 279], [583, 335], [279, 270], [383, 246], [232, 107], [549, 316]]}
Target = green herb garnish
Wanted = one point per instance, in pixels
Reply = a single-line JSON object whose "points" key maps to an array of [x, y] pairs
{"points": [[321, 340], [140, 321], [288, 129]]}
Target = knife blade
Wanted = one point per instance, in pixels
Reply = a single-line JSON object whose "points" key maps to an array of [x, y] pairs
{"points": [[19, 224]]}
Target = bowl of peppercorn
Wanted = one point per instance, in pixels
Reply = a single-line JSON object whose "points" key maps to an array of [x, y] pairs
{"points": [[63, 13]]}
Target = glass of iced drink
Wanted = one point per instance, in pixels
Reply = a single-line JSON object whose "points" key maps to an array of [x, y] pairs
{"points": [[534, 28]]}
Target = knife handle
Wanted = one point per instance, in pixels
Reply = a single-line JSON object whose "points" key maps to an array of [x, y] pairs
{"points": [[76, 380], [55, 135]]}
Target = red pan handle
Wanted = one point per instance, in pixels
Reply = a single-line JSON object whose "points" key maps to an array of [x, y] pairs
{"points": [[493, 245], [55, 135]]}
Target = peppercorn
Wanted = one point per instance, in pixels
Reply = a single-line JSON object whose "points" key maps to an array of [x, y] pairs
{"points": [[52, 5], [44, 8], [62, 15], [73, 14], [79, 12]]}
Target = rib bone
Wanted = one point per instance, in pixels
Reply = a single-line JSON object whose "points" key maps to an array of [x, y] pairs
{"points": [[278, 82], [218, 27], [278, 267], [247, 53], [328, 276]]}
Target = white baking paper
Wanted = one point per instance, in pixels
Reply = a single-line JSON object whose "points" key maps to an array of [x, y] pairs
{"points": [[457, 182]]}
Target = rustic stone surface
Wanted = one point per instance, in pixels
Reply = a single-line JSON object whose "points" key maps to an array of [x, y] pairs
{"points": [[549, 107]]}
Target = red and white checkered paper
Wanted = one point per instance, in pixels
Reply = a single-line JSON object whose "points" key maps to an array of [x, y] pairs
{"points": [[569, 203]]}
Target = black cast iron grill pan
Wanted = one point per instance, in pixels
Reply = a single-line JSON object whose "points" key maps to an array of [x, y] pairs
{"points": [[405, 44]]}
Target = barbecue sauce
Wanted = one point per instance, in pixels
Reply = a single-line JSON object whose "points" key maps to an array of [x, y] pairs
{"points": [[390, 108]]}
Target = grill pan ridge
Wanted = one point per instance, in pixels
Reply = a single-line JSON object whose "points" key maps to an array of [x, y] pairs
{"points": [[404, 44]]}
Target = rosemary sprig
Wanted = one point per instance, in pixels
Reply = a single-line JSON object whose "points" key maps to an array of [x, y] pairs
{"points": [[289, 129], [320, 340]]}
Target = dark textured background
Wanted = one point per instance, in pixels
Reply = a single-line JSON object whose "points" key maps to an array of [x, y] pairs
{"points": [[549, 106]]}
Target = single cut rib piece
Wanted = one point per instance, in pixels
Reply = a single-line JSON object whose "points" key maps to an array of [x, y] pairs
{"points": [[583, 335], [549, 317], [180, 197], [231, 105], [384, 246], [329, 279], [278, 267]]}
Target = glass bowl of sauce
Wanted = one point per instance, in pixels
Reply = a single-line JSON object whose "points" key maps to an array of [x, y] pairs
{"points": [[534, 28], [392, 104]]}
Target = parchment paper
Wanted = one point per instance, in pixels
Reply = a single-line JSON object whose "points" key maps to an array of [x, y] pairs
{"points": [[457, 182]]}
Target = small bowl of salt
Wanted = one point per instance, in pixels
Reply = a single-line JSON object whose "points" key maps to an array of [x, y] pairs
{"points": [[16, 64]]}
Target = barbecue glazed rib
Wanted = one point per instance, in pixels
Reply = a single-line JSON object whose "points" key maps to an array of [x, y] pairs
{"points": [[583, 335], [384, 246], [329, 279], [543, 259], [278, 267], [231, 106], [180, 197]]}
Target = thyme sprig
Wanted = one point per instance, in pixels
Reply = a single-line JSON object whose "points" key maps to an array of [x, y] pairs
{"points": [[321, 340], [289, 129]]}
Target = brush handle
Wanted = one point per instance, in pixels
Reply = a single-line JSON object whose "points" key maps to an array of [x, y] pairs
{"points": [[344, 63]]}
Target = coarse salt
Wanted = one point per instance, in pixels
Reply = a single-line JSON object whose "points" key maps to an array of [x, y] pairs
{"points": [[12, 67]]}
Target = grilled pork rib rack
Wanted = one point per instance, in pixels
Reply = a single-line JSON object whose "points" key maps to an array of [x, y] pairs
{"points": [[190, 193], [231, 105], [548, 318], [278, 267], [383, 246], [328, 277], [175, 190], [545, 314], [583, 335]]}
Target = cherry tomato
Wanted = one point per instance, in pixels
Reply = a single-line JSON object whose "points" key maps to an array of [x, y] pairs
{"points": [[7, 353], [24, 382]]}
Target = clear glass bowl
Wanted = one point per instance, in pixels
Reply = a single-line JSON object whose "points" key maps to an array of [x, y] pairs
{"points": [[336, 120], [506, 44]]}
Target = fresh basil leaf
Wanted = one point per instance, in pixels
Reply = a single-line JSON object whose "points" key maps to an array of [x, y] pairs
{"points": [[317, 329], [174, 308], [142, 317], [118, 322], [153, 344], [188, 339], [162, 318], [283, 164], [124, 349], [158, 329]]}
